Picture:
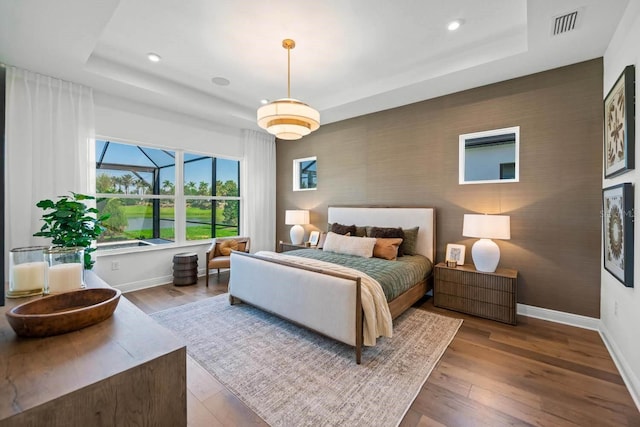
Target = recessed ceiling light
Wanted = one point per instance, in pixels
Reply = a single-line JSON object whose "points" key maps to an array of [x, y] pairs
{"points": [[220, 81], [264, 101], [454, 25], [153, 57]]}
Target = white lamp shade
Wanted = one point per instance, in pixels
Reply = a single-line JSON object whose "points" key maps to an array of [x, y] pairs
{"points": [[296, 217], [288, 118], [487, 226]]}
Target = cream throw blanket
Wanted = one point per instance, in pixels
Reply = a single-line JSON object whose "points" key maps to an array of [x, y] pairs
{"points": [[377, 320]]}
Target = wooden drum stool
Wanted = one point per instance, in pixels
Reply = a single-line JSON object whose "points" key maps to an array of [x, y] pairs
{"points": [[185, 268]]}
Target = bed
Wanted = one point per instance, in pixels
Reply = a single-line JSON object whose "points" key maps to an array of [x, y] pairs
{"points": [[331, 299]]}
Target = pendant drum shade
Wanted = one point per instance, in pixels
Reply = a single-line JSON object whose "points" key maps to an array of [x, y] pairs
{"points": [[288, 118]]}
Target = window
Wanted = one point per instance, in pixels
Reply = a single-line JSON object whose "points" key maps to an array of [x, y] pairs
{"points": [[138, 187], [305, 175], [212, 196]]}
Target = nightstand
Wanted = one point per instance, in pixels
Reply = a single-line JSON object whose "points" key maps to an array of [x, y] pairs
{"points": [[288, 246], [489, 295]]}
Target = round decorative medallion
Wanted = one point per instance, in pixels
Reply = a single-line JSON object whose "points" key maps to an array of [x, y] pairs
{"points": [[615, 231]]}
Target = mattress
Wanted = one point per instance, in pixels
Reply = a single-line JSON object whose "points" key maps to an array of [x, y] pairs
{"points": [[395, 277]]}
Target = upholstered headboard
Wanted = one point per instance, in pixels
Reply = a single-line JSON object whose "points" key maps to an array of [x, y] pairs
{"points": [[424, 218]]}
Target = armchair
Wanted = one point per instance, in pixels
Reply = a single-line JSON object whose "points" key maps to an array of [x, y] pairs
{"points": [[219, 253]]}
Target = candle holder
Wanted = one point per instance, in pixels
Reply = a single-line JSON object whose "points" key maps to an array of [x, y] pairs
{"points": [[27, 271], [66, 269]]}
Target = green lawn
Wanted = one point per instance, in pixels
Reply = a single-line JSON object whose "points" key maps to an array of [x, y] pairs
{"points": [[145, 211], [194, 232]]}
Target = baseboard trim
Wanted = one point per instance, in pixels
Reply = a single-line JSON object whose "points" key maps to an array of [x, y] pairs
{"points": [[144, 284], [570, 319], [629, 378], [150, 283]]}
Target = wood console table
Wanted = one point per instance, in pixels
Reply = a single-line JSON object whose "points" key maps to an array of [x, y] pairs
{"points": [[126, 370]]}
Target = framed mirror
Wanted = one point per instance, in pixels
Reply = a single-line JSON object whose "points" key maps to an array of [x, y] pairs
{"points": [[305, 176], [490, 156]]}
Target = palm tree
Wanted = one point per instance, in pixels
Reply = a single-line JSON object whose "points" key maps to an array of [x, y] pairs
{"points": [[203, 188], [167, 186], [117, 181], [127, 181], [190, 188], [141, 184]]}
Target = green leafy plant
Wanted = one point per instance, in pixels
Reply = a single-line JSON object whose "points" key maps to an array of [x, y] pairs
{"points": [[71, 223]]}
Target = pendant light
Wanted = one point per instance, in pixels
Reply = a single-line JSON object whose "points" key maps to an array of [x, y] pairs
{"points": [[288, 118]]}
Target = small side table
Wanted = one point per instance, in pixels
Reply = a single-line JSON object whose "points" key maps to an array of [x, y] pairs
{"points": [[288, 246], [185, 268], [489, 295]]}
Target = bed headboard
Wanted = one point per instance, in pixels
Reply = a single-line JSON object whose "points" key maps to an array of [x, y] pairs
{"points": [[424, 218]]}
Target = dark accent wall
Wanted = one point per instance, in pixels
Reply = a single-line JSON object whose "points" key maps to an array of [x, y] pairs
{"points": [[408, 156]]}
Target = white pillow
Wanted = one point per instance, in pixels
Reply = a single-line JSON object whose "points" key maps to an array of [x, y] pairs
{"points": [[358, 246]]}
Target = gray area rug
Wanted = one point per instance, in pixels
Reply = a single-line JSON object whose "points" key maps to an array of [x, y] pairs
{"points": [[291, 376]]}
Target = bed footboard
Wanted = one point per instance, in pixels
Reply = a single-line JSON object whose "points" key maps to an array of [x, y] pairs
{"points": [[324, 301]]}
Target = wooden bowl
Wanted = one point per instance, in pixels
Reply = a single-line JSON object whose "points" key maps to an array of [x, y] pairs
{"points": [[62, 313]]}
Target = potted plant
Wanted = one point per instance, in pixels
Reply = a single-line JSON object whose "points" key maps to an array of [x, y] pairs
{"points": [[71, 223]]}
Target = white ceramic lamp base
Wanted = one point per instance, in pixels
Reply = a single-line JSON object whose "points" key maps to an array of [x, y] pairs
{"points": [[297, 234], [486, 255]]}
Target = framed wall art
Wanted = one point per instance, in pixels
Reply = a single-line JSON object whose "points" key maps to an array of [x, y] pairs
{"points": [[617, 202], [619, 125], [455, 253]]}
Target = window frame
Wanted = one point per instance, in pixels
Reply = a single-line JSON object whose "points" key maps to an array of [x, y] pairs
{"points": [[179, 197]]}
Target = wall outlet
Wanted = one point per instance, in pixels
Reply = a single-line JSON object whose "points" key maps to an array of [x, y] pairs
{"points": [[615, 308], [115, 265]]}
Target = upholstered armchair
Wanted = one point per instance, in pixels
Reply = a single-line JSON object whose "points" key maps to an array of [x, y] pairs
{"points": [[219, 253]]}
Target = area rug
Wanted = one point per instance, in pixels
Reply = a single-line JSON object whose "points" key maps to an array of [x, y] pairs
{"points": [[291, 376]]}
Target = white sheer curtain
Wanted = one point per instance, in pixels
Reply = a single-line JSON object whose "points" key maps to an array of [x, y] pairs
{"points": [[49, 148], [259, 196]]}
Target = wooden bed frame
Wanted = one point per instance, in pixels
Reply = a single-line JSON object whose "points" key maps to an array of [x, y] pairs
{"points": [[301, 294]]}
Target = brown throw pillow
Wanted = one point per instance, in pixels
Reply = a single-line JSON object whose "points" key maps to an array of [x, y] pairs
{"points": [[343, 229], [388, 232], [226, 246], [386, 248]]}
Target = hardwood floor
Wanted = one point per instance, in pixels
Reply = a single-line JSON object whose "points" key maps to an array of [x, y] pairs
{"points": [[492, 374]]}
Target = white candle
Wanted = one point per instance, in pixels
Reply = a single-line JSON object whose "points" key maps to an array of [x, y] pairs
{"points": [[28, 276], [65, 277]]}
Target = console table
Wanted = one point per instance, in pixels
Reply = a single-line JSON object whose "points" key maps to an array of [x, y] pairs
{"points": [[126, 370]]}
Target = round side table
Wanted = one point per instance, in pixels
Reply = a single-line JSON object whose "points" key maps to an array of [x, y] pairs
{"points": [[185, 269]]}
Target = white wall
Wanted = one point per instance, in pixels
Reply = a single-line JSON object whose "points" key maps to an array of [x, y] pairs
{"points": [[128, 121], [620, 327]]}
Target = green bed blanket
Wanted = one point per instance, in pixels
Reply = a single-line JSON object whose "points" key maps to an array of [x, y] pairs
{"points": [[395, 277]]}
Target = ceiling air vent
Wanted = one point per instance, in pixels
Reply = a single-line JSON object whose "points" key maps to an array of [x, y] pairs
{"points": [[565, 23]]}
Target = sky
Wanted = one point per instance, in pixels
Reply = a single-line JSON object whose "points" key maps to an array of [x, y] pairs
{"points": [[194, 171]]}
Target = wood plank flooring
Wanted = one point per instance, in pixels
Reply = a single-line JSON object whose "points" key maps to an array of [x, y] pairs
{"points": [[537, 373]]}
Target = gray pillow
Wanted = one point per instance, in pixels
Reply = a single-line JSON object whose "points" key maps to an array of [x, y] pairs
{"points": [[410, 240]]}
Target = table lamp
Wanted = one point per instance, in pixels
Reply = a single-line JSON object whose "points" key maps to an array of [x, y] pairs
{"points": [[296, 218], [485, 252]]}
